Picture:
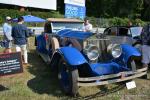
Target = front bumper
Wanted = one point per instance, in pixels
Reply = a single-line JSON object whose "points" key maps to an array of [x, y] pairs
{"points": [[112, 78]]}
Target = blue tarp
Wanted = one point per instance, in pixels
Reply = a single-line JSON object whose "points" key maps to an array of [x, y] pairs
{"points": [[30, 18]]}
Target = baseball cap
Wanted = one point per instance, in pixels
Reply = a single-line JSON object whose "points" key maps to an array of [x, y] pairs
{"points": [[8, 18]]}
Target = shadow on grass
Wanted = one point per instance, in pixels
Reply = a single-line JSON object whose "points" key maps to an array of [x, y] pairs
{"points": [[45, 81], [2, 88], [104, 91]]}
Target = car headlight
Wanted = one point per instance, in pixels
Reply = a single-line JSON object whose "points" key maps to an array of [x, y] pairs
{"points": [[115, 50], [91, 51]]}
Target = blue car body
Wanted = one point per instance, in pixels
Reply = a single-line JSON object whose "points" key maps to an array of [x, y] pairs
{"points": [[75, 58]]}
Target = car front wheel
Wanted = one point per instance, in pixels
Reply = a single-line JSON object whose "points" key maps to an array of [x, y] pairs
{"points": [[67, 78]]}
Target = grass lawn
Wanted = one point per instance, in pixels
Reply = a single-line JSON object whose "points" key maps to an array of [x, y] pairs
{"points": [[37, 82]]}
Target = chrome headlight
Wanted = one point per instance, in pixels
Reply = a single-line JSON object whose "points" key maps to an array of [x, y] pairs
{"points": [[91, 51], [115, 50]]}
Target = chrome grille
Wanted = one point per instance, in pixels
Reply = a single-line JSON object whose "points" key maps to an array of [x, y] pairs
{"points": [[102, 45]]}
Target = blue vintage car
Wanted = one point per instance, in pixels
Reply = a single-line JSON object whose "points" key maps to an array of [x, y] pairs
{"points": [[81, 59]]}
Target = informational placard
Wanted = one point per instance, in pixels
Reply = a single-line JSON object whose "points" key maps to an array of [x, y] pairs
{"points": [[44, 4], [10, 63], [74, 11], [130, 85]]}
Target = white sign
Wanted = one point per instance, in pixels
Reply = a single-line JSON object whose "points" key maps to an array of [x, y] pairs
{"points": [[130, 85], [76, 2], [44, 4]]}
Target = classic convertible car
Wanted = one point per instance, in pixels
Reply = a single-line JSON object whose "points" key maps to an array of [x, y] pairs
{"points": [[81, 59]]}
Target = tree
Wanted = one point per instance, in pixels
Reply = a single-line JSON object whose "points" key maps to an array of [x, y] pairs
{"points": [[146, 10]]}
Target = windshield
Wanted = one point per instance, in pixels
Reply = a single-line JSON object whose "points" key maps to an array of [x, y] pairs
{"points": [[60, 26], [136, 31]]}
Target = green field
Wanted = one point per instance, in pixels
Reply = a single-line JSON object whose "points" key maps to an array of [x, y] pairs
{"points": [[37, 82]]}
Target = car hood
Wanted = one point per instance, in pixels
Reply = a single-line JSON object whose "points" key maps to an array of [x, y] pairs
{"points": [[74, 34]]}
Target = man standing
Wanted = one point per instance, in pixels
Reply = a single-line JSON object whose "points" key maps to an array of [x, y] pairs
{"points": [[7, 30], [20, 34], [87, 26], [146, 45]]}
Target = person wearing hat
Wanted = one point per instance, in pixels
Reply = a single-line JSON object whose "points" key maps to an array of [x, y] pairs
{"points": [[87, 26], [7, 30]]}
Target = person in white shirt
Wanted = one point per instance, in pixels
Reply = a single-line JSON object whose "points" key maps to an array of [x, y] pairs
{"points": [[7, 30], [87, 26]]}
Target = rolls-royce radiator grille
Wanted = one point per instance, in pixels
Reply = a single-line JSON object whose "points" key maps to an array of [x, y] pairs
{"points": [[102, 45]]}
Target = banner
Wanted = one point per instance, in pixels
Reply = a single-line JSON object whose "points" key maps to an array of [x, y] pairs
{"points": [[44, 4]]}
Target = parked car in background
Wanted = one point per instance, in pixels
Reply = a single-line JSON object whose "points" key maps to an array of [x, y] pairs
{"points": [[124, 34], [81, 59]]}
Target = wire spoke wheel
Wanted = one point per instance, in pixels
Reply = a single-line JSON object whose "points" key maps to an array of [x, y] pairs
{"points": [[67, 78]]}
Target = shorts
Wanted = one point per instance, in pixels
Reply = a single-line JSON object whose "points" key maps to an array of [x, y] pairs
{"points": [[145, 54], [21, 48]]}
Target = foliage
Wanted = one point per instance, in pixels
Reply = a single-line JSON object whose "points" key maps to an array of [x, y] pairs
{"points": [[131, 9], [146, 10], [16, 13], [115, 21], [113, 10]]}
